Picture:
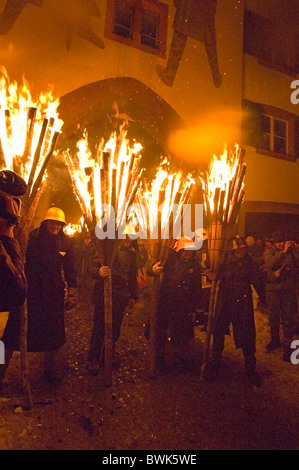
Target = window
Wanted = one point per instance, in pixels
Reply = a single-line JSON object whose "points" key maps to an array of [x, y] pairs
{"points": [[138, 23], [274, 44], [272, 131], [274, 134]]}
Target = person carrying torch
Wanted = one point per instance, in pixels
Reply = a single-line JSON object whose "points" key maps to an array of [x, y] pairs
{"points": [[124, 293], [234, 305], [281, 263]]}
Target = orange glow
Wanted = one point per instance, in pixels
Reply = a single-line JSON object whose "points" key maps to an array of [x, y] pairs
{"points": [[207, 136]]}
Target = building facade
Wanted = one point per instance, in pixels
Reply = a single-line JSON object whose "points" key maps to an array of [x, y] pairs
{"points": [[193, 76]]}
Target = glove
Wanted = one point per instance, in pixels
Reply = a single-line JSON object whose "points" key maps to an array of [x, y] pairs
{"points": [[157, 269], [71, 300], [105, 271]]}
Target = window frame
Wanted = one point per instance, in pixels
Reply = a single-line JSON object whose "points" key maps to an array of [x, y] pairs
{"points": [[289, 118], [267, 41], [154, 7]]}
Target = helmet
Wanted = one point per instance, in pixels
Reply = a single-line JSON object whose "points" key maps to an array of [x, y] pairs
{"points": [[249, 240], [202, 233], [10, 208], [237, 242], [184, 243], [54, 213]]}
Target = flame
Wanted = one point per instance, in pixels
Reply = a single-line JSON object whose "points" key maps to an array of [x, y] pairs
{"points": [[223, 184], [221, 171], [72, 229], [167, 188], [110, 175], [21, 123]]}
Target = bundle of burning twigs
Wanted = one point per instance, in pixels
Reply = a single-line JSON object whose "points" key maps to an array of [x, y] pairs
{"points": [[105, 184], [223, 188], [165, 200], [28, 134]]}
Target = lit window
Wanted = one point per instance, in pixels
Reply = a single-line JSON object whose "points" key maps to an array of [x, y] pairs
{"points": [[274, 134], [138, 23], [272, 131]]}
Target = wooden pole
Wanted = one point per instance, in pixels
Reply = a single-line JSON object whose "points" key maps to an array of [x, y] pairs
{"points": [[108, 343], [155, 287], [212, 303], [24, 358]]}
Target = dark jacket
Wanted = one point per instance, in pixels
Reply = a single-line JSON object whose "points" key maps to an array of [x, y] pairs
{"points": [[179, 295], [124, 273], [234, 302], [13, 285], [50, 267], [181, 285], [287, 263]]}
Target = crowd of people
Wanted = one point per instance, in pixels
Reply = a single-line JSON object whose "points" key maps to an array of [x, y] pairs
{"points": [[46, 278]]}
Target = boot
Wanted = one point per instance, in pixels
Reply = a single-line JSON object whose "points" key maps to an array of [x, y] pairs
{"points": [[275, 342], [250, 366], [93, 368], [50, 374]]}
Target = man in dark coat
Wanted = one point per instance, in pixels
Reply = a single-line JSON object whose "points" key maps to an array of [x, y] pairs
{"points": [[195, 19], [13, 285], [234, 305], [50, 271], [179, 296], [281, 262], [124, 293]]}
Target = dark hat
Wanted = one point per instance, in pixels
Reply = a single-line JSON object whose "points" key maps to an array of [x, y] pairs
{"points": [[278, 236], [237, 242], [12, 183], [10, 207]]}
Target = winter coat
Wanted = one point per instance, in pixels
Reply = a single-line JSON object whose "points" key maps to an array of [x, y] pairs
{"points": [[179, 295], [124, 274], [13, 285], [49, 269], [287, 262], [234, 303]]}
